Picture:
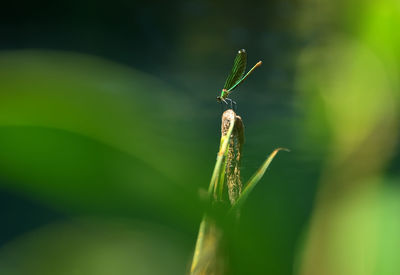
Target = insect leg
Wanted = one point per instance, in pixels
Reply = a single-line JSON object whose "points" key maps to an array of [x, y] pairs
{"points": [[231, 101], [234, 105], [228, 99]]}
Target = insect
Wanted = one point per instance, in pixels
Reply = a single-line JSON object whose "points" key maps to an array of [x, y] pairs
{"points": [[236, 76]]}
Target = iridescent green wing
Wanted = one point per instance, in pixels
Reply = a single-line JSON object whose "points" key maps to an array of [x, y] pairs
{"points": [[239, 66]]}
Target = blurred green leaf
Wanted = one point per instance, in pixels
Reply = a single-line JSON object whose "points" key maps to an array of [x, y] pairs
{"points": [[80, 131], [94, 246]]}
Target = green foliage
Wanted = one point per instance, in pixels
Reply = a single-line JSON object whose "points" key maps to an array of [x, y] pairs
{"points": [[255, 179]]}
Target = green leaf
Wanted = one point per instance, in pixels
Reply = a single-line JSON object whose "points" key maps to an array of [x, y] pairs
{"points": [[222, 150], [255, 179]]}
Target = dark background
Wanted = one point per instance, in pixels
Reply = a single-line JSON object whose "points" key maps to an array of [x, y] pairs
{"points": [[70, 154]]}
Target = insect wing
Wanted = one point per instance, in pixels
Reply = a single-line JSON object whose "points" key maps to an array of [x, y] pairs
{"points": [[238, 69]]}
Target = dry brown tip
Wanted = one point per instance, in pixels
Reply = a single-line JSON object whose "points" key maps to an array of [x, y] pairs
{"points": [[233, 158]]}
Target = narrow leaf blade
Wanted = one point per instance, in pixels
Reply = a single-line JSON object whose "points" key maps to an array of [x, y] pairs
{"points": [[220, 157], [255, 179]]}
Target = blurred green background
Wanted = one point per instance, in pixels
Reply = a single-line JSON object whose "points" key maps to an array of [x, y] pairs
{"points": [[109, 130]]}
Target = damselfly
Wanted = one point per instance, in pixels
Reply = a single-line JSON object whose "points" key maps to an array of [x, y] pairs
{"points": [[236, 76]]}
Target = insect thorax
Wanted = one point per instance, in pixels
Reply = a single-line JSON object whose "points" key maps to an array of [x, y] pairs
{"points": [[224, 93]]}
